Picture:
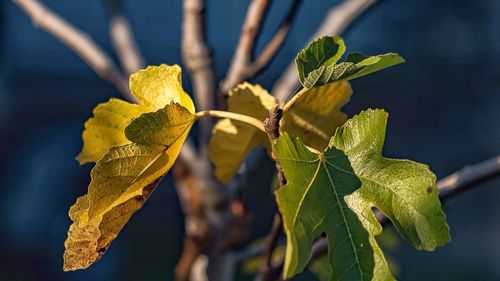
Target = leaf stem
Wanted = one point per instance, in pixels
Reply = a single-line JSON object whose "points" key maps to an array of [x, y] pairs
{"points": [[233, 116]]}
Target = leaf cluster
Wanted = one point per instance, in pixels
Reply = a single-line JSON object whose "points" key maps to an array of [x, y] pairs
{"points": [[333, 165]]}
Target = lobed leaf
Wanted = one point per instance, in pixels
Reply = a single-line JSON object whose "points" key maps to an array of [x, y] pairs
{"points": [[154, 87], [312, 202], [317, 63], [105, 129], [313, 115], [321, 53], [231, 140], [403, 190], [126, 174]]}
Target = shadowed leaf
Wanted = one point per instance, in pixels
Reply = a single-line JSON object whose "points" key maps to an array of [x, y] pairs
{"points": [[312, 202], [314, 114], [231, 140]]}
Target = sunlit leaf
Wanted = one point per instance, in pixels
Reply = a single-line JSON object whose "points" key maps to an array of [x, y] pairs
{"points": [[403, 190], [160, 127], [154, 87], [105, 129], [317, 63], [157, 86], [125, 176]]}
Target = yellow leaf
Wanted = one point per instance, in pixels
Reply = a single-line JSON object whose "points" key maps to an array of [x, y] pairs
{"points": [[160, 127], [157, 86], [105, 129], [121, 181], [232, 140], [154, 87], [314, 114], [127, 173]]}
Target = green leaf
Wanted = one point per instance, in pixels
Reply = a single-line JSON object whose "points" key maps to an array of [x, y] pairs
{"points": [[314, 114], [403, 190], [312, 202], [364, 65], [231, 140], [317, 63], [319, 54]]}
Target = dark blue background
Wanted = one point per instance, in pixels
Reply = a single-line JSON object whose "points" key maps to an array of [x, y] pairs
{"points": [[444, 106]]}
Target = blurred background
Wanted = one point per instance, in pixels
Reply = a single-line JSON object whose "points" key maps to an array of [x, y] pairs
{"points": [[444, 106]]}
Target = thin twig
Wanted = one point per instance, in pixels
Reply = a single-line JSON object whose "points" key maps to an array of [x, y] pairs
{"points": [[272, 47], [122, 39], [76, 40], [242, 67], [243, 54], [336, 21], [267, 270]]}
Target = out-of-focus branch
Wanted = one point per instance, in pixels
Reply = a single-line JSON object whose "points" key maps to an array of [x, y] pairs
{"points": [[336, 21], [467, 177], [196, 57], [267, 268], [122, 39], [198, 62], [243, 55], [76, 40], [463, 180], [242, 68], [275, 43]]}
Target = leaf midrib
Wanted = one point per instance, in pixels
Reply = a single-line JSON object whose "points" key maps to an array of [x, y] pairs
{"points": [[345, 221], [338, 204]]}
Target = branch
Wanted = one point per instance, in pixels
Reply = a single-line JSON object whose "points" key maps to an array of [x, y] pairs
{"points": [[336, 21], [76, 40], [243, 55], [271, 125], [242, 68], [468, 177], [196, 57], [463, 180], [275, 43], [267, 270], [123, 40]]}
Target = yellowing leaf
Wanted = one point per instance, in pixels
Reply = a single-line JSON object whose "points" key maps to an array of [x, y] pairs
{"points": [[127, 173], [232, 140], [157, 86], [121, 181], [105, 129], [154, 87], [160, 127], [314, 114]]}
